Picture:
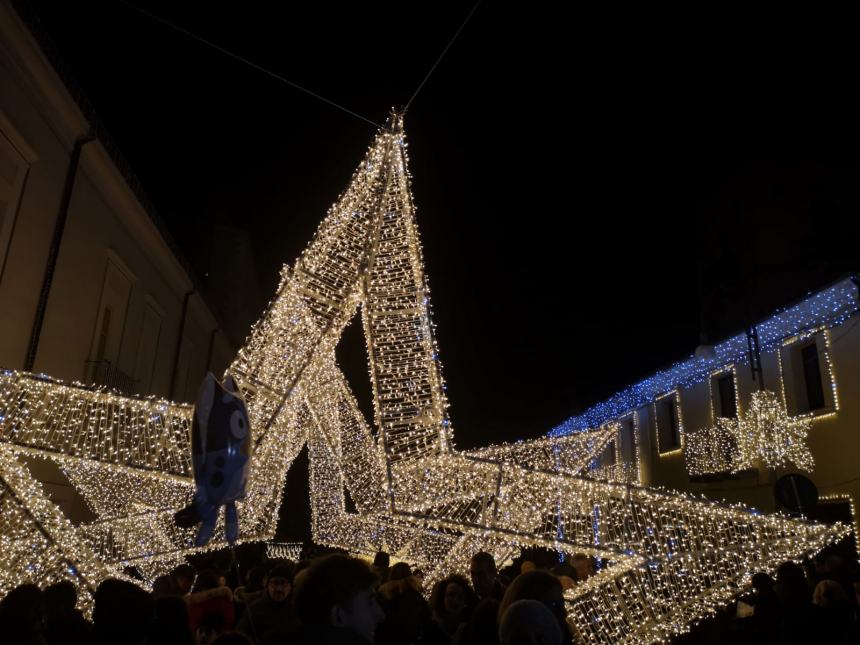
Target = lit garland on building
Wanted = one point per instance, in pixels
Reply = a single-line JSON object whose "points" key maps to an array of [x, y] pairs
{"points": [[765, 434], [713, 450], [284, 550], [671, 559], [769, 434], [822, 310]]}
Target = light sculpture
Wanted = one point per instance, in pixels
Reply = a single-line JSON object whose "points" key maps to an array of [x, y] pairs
{"points": [[671, 559]]}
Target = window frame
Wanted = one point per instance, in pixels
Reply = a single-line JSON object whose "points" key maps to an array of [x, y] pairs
{"points": [[714, 391], [675, 395], [793, 379]]}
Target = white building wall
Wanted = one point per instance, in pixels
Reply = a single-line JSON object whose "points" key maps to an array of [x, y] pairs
{"points": [[105, 220]]}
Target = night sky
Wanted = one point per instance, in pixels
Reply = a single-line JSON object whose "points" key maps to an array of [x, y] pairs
{"points": [[583, 182]]}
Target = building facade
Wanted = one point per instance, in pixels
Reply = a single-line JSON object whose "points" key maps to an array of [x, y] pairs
{"points": [[678, 427], [120, 306], [92, 289]]}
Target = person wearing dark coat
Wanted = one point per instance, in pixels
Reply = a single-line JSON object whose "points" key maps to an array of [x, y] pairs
{"points": [[273, 612], [335, 600], [122, 613], [22, 616], [407, 613], [65, 625]]}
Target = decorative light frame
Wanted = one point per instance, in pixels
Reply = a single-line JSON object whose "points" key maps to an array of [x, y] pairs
{"points": [[676, 399]]}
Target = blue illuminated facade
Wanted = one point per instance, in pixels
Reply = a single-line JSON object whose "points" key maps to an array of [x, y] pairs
{"points": [[827, 308]]}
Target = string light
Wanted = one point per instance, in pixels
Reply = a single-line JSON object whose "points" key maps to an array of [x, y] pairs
{"points": [[845, 497], [766, 434], [769, 434], [284, 550], [822, 310], [675, 396], [671, 558]]}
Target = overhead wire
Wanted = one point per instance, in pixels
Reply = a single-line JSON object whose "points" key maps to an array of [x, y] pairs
{"points": [[441, 56], [246, 61], [293, 84]]}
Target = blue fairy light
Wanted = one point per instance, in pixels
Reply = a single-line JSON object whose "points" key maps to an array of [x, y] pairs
{"points": [[827, 308]]}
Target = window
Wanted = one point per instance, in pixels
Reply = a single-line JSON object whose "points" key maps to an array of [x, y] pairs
{"points": [[627, 445], [607, 456], [102, 366], [812, 378], [668, 424], [723, 395], [147, 347], [807, 378]]}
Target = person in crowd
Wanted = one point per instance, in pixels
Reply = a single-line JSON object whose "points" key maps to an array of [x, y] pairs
{"points": [[399, 571], [163, 586], [567, 575], [584, 566], [834, 613], [208, 597], [483, 626], [765, 601], [828, 594], [451, 603], [22, 616], [407, 613], [253, 589], [793, 591], [232, 638], [171, 625], [209, 627], [183, 579], [335, 600], [543, 587], [122, 613], [485, 576], [273, 611], [381, 562], [65, 624], [855, 585], [529, 622]]}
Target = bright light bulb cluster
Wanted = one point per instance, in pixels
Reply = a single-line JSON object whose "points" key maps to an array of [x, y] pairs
{"points": [[671, 558], [766, 434], [284, 551]]}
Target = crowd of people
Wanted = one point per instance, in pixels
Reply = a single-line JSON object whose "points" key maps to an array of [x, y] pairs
{"points": [[339, 599]]}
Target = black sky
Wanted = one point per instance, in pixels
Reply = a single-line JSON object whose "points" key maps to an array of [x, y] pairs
{"points": [[574, 173]]}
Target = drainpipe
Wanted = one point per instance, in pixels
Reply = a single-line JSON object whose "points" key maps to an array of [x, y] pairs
{"points": [[54, 249], [185, 300], [209, 351]]}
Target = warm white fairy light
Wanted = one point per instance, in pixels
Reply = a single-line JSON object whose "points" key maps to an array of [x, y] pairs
{"points": [[620, 470], [767, 433], [672, 558], [830, 375], [855, 521], [284, 550], [713, 450], [675, 395]]}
